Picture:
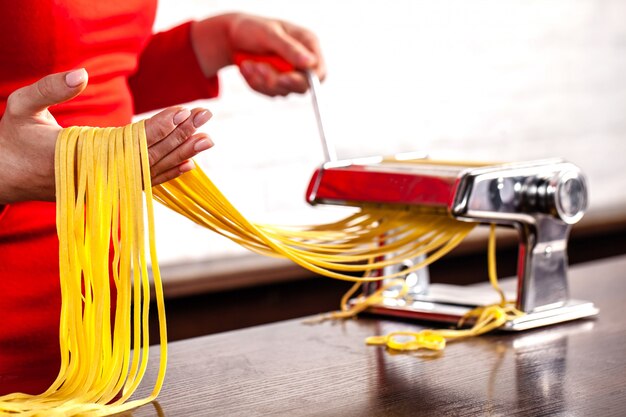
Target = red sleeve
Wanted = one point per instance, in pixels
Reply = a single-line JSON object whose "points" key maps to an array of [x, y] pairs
{"points": [[168, 72]]}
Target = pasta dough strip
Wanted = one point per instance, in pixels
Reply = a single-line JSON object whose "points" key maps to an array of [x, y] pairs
{"points": [[101, 176], [195, 196]]}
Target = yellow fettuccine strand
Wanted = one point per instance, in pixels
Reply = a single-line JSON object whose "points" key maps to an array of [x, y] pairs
{"points": [[101, 175], [486, 318], [348, 249]]}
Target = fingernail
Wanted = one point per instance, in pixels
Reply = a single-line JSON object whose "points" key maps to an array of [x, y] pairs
{"points": [[75, 78], [181, 116], [307, 60], [202, 145], [201, 118], [186, 166]]}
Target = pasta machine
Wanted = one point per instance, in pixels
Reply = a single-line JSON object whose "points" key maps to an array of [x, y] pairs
{"points": [[541, 199]]}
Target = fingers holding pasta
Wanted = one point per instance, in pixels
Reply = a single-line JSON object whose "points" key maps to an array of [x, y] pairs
{"points": [[173, 140], [28, 134], [179, 160]]}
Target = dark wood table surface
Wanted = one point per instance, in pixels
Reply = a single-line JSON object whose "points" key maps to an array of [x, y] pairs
{"points": [[293, 369]]}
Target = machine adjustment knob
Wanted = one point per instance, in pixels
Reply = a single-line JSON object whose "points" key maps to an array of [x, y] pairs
{"points": [[564, 195], [571, 197]]}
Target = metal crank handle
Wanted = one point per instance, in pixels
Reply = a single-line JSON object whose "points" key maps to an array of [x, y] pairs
{"points": [[281, 65]]}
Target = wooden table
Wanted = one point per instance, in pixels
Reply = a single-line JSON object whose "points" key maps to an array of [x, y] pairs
{"points": [[292, 369]]}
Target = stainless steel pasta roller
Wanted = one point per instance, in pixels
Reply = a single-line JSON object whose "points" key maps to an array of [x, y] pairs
{"points": [[540, 199]]}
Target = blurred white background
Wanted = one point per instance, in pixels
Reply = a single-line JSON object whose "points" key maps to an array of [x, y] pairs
{"points": [[499, 80]]}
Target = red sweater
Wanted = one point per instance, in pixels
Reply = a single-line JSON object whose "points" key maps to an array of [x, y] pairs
{"points": [[130, 71]]}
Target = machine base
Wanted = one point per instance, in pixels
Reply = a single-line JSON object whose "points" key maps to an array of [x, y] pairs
{"points": [[448, 303]]}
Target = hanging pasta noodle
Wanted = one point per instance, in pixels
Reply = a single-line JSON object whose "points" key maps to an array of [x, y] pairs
{"points": [[100, 178], [485, 318], [364, 242], [100, 175], [347, 249]]}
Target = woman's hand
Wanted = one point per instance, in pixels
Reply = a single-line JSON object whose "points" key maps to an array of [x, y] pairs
{"points": [[172, 141], [28, 134], [216, 40]]}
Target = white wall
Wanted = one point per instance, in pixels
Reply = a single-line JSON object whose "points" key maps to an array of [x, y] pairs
{"points": [[481, 80]]}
